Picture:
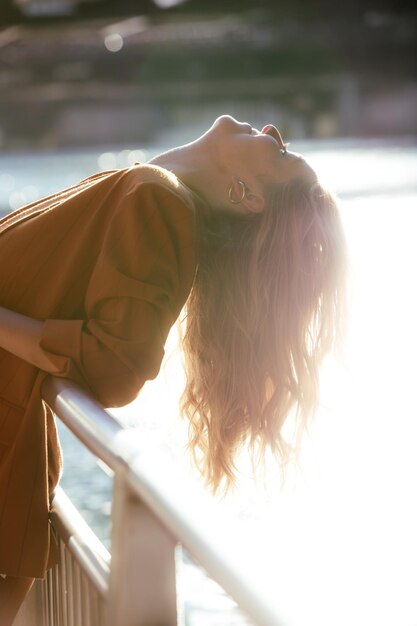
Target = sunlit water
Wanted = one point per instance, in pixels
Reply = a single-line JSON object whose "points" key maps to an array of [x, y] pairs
{"points": [[339, 545]]}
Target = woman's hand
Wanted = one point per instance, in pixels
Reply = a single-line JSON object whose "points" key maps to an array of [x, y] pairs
{"points": [[21, 336]]}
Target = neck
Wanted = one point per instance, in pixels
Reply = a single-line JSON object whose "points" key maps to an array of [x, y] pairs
{"points": [[192, 164], [184, 162]]}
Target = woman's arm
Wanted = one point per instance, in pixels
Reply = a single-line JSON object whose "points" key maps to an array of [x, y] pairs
{"points": [[139, 282], [21, 336]]}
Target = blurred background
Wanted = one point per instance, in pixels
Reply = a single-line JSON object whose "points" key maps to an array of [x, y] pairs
{"points": [[93, 72], [97, 84]]}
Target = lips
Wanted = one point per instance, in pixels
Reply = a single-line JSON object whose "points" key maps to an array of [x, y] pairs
{"points": [[272, 131]]}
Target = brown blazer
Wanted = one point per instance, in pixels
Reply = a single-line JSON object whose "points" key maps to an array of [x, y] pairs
{"points": [[107, 265]]}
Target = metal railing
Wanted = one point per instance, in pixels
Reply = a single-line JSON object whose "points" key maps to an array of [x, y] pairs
{"points": [[155, 507]]}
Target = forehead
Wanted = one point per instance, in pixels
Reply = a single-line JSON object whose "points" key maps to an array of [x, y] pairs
{"points": [[291, 165]]}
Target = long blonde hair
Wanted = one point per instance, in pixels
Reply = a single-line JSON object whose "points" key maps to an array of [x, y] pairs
{"points": [[266, 306]]}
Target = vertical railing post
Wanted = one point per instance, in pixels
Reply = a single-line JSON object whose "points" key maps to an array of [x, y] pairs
{"points": [[142, 590]]}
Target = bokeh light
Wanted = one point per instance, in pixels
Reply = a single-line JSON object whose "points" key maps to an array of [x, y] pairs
{"points": [[113, 42]]}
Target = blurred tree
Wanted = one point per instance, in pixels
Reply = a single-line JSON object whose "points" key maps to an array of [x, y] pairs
{"points": [[18, 11]]}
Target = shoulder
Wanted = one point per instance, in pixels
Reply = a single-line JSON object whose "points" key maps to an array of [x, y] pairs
{"points": [[150, 198], [154, 180], [150, 205]]}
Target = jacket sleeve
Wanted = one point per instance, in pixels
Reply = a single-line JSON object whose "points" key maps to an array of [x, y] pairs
{"points": [[140, 281]]}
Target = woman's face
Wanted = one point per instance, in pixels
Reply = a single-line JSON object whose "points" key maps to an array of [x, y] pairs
{"points": [[248, 153]]}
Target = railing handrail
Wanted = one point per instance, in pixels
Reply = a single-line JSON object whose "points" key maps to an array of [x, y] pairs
{"points": [[189, 514]]}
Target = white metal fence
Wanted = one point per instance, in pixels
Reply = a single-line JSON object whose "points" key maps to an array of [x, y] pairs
{"points": [[150, 516]]}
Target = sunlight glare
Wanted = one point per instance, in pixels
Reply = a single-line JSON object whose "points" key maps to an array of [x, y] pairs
{"points": [[338, 546]]}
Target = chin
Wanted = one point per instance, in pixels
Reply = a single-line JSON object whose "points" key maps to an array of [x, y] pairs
{"points": [[225, 119], [228, 124]]}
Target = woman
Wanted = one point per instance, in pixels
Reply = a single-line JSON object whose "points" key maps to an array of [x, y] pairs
{"points": [[234, 224]]}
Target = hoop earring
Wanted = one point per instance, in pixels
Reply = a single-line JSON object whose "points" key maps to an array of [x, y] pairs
{"points": [[243, 187]]}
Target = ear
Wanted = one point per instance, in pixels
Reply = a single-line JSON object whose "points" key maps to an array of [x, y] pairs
{"points": [[254, 202]]}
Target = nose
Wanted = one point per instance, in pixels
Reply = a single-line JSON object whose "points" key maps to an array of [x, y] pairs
{"points": [[273, 131]]}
